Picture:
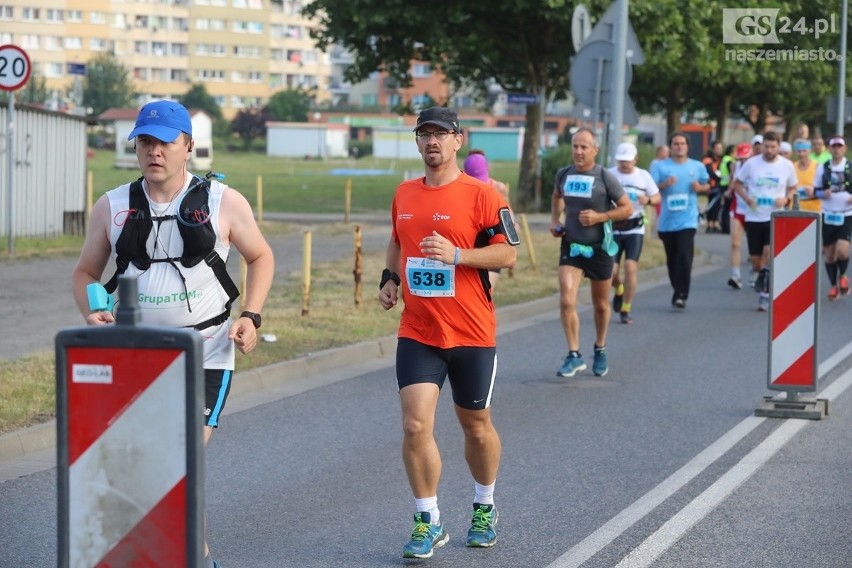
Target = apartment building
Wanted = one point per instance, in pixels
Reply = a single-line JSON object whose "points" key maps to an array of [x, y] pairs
{"points": [[243, 51]]}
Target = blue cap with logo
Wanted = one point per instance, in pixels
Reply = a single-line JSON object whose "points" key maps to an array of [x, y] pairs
{"points": [[164, 120]]}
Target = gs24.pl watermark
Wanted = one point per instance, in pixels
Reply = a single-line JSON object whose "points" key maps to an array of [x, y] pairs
{"points": [[764, 26]]}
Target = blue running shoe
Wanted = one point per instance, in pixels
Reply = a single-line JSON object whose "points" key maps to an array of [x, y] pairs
{"points": [[425, 537], [481, 532], [573, 364], [599, 367]]}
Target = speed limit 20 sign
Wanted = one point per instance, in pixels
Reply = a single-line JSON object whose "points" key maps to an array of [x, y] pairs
{"points": [[15, 67]]}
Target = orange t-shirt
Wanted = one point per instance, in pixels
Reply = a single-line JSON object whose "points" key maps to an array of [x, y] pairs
{"points": [[459, 211], [806, 177]]}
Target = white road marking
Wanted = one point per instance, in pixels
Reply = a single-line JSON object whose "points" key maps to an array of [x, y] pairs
{"points": [[668, 534]]}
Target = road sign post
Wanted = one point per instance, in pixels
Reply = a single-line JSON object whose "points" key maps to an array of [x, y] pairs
{"points": [[15, 69], [129, 443], [793, 315]]}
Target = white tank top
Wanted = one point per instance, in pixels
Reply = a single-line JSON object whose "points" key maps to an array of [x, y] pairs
{"points": [[163, 298]]}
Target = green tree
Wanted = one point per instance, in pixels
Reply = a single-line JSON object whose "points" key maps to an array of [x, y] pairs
{"points": [[107, 84], [197, 97], [291, 105], [34, 92], [521, 45]]}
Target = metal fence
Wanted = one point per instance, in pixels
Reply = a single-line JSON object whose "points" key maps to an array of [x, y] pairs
{"points": [[49, 173]]}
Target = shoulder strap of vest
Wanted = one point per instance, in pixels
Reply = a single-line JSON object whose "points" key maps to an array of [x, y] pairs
{"points": [[131, 245], [199, 238]]}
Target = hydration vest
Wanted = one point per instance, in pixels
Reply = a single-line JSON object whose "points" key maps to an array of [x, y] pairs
{"points": [[199, 241], [847, 176]]}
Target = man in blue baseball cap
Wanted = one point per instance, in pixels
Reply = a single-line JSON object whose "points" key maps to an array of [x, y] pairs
{"points": [[158, 229], [164, 120]]}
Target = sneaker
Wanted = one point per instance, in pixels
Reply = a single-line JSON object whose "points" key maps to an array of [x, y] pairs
{"points": [[763, 303], [832, 293], [752, 278], [599, 367], [573, 364], [425, 537], [625, 318], [735, 283], [679, 303], [844, 285], [481, 532], [617, 302]]}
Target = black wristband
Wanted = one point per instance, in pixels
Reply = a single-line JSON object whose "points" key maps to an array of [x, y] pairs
{"points": [[388, 275]]}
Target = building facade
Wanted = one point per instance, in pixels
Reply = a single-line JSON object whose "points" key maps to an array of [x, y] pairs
{"points": [[243, 51]]}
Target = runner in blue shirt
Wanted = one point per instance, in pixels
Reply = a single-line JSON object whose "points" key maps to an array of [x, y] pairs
{"points": [[680, 179]]}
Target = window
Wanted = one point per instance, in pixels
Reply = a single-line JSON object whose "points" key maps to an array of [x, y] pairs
{"points": [[179, 49], [52, 70], [31, 14], [54, 16], [158, 48], [53, 43], [97, 18], [394, 100], [140, 73], [218, 25], [6, 13], [97, 44], [119, 21], [369, 100], [421, 70], [140, 47], [179, 75], [72, 42], [5, 37]]}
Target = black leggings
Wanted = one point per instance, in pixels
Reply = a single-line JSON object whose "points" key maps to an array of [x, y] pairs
{"points": [[680, 246]]}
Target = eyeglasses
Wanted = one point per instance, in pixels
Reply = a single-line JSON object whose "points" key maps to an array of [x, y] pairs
{"points": [[440, 135]]}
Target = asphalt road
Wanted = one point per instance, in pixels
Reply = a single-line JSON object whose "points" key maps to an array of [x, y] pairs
{"points": [[660, 463]]}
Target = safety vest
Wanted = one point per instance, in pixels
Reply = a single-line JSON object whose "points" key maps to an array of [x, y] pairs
{"points": [[725, 171], [847, 176], [196, 231]]}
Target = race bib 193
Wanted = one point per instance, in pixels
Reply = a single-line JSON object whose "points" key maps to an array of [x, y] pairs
{"points": [[578, 186], [430, 278]]}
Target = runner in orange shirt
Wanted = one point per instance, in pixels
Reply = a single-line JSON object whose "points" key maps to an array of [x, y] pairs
{"points": [[449, 229]]}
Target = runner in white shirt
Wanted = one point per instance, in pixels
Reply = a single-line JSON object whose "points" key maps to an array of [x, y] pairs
{"points": [[834, 188], [629, 235], [771, 182]]}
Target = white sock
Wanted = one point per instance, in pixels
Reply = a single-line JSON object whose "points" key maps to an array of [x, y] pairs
{"points": [[735, 272], [429, 505], [484, 494]]}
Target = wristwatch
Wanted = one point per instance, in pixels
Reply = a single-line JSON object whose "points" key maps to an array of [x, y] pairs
{"points": [[255, 318]]}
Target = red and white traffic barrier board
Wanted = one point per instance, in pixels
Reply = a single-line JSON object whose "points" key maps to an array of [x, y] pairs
{"points": [[793, 316], [129, 433]]}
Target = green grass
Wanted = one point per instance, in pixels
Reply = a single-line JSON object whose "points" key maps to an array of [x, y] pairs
{"points": [[297, 185]]}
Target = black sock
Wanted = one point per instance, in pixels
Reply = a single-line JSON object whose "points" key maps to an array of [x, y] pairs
{"points": [[842, 265], [831, 268], [599, 348]]}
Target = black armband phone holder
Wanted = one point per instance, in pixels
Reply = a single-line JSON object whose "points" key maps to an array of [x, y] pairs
{"points": [[388, 275]]}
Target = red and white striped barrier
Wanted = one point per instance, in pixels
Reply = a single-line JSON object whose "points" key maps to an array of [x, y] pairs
{"points": [[129, 447], [793, 317]]}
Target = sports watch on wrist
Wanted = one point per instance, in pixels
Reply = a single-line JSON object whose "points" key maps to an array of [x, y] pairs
{"points": [[255, 318]]}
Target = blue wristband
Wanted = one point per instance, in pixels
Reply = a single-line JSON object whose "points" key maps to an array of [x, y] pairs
{"points": [[819, 193], [458, 254]]}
